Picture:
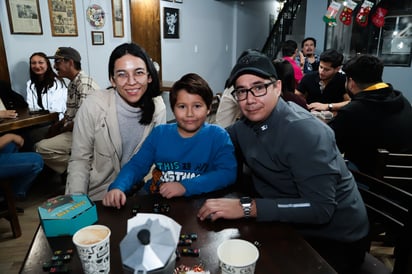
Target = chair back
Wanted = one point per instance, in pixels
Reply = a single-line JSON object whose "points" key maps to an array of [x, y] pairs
{"points": [[395, 168], [389, 207]]}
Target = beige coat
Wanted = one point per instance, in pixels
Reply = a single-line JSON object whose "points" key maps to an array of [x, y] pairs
{"points": [[96, 149]]}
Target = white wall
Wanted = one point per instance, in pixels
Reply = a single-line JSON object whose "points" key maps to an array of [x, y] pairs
{"points": [[94, 58], [208, 25]]}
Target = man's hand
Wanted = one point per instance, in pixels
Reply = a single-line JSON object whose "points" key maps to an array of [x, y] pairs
{"points": [[226, 208], [114, 198], [318, 106]]}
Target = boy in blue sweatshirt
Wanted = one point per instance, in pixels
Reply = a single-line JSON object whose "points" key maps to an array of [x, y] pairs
{"points": [[190, 156]]}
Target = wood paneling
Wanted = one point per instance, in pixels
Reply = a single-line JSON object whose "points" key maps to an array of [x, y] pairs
{"points": [[4, 69], [145, 27]]}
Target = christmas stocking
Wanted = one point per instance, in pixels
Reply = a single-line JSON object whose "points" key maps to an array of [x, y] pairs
{"points": [[378, 18], [363, 14], [346, 14], [330, 16]]}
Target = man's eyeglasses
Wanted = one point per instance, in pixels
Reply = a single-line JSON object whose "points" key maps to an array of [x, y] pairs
{"points": [[258, 90], [123, 76]]}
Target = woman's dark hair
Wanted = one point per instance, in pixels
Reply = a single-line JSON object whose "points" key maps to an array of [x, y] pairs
{"points": [[286, 74], [42, 85], [193, 84], [153, 89]]}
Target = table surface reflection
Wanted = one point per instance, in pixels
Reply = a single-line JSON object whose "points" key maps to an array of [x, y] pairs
{"points": [[282, 249]]}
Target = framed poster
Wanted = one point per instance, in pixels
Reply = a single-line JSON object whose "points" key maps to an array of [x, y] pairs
{"points": [[395, 45], [97, 38], [117, 14], [170, 23], [24, 16], [63, 17]]}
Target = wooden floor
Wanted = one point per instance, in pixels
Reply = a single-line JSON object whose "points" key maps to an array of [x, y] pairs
{"points": [[13, 251]]}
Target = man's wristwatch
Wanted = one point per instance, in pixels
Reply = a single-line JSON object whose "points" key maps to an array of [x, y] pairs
{"points": [[330, 107], [246, 203]]}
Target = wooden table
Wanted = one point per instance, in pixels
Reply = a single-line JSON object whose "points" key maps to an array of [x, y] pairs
{"points": [[25, 119], [282, 249]]}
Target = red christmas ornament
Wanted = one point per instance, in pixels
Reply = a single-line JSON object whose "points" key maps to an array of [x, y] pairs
{"points": [[363, 14], [346, 14]]}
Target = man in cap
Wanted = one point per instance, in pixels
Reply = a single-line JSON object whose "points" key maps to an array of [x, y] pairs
{"points": [[55, 150], [298, 173]]}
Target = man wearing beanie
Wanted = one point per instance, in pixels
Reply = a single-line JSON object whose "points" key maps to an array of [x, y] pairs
{"points": [[55, 149], [298, 174]]}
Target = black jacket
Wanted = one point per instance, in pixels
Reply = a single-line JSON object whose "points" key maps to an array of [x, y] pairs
{"points": [[10, 98], [374, 119]]}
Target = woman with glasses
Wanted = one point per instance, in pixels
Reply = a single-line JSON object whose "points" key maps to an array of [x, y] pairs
{"points": [[112, 124], [45, 90]]}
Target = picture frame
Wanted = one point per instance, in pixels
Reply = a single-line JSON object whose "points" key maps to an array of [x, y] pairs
{"points": [[63, 20], [171, 23], [395, 44], [179, 1], [168, 0], [98, 38], [117, 18], [24, 17]]}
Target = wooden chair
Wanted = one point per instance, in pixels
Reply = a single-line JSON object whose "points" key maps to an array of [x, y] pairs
{"points": [[389, 207], [10, 212], [394, 168]]}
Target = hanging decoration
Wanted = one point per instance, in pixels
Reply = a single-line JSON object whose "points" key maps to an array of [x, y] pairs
{"points": [[95, 15], [363, 14], [330, 16], [346, 15], [378, 18]]}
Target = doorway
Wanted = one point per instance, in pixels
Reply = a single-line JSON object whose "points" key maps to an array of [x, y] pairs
{"points": [[145, 28]]}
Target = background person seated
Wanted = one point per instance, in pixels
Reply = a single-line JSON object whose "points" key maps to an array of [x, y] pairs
{"points": [[21, 167], [378, 116]]}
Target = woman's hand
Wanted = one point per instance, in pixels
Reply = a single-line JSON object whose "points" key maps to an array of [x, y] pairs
{"points": [[11, 113], [114, 198], [226, 208]]}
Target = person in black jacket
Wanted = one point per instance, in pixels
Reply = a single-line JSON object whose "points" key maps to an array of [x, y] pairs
{"points": [[377, 116], [10, 101]]}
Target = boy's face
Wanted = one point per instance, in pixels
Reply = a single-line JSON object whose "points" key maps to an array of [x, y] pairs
{"points": [[257, 109], [190, 112]]}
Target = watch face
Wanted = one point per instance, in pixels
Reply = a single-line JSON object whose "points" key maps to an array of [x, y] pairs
{"points": [[245, 200]]}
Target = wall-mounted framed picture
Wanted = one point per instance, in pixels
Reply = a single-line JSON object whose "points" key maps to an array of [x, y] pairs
{"points": [[117, 14], [97, 38], [179, 1], [168, 0], [63, 17], [171, 23], [24, 17]]}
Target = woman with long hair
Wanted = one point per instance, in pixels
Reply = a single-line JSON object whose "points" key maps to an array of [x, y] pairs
{"points": [[45, 90]]}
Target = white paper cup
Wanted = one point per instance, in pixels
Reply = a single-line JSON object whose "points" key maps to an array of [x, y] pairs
{"points": [[93, 246], [237, 257]]}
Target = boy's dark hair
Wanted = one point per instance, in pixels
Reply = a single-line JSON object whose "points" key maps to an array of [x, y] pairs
{"points": [[289, 48], [307, 39], [332, 56], [153, 88], [193, 84], [365, 70]]}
